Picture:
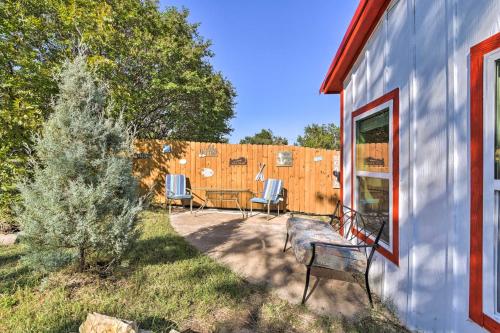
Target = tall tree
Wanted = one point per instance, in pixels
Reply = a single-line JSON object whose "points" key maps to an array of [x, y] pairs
{"points": [[155, 64], [325, 136], [264, 137], [83, 199]]}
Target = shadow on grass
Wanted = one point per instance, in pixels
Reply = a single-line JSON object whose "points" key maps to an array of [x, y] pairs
{"points": [[152, 323], [15, 277], [161, 250], [373, 323], [8, 259], [157, 324], [14, 273], [66, 326]]}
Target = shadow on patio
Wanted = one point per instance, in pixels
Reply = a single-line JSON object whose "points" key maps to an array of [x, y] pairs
{"points": [[253, 248]]}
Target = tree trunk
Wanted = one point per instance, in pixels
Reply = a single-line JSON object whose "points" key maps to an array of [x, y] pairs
{"points": [[81, 266]]}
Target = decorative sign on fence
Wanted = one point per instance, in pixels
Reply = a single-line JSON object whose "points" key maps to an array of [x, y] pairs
{"points": [[167, 149], [142, 156], [284, 159], [207, 172], [318, 158], [371, 161], [182, 161], [238, 161], [336, 171], [210, 151]]}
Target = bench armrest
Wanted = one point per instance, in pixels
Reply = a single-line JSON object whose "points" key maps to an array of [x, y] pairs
{"points": [[342, 245], [320, 215]]}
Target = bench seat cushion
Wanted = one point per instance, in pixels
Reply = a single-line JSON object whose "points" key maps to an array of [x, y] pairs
{"points": [[302, 232]]}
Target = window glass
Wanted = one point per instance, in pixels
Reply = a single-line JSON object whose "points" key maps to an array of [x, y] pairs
{"points": [[373, 199], [372, 143]]}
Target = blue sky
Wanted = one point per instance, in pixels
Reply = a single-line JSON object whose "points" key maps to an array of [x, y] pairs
{"points": [[276, 53]]}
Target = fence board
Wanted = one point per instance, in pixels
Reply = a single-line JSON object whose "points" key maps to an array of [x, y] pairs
{"points": [[309, 183]]}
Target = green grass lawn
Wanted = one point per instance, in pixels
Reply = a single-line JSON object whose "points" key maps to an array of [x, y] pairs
{"points": [[164, 283]]}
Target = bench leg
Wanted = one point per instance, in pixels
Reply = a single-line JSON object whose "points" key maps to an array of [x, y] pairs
{"points": [[367, 283], [286, 242], [307, 284]]}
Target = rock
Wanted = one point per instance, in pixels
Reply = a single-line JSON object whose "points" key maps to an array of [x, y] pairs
{"points": [[98, 323], [8, 239]]}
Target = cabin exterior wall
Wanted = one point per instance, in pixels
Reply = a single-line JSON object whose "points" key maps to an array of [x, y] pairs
{"points": [[422, 47]]}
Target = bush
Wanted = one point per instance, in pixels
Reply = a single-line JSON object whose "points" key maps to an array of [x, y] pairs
{"points": [[82, 201]]}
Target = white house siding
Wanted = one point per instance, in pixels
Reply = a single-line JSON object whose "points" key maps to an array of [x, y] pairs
{"points": [[422, 47]]}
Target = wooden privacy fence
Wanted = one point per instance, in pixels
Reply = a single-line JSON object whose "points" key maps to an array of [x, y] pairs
{"points": [[309, 181]]}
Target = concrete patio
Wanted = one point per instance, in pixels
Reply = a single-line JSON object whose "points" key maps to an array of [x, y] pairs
{"points": [[253, 248]]}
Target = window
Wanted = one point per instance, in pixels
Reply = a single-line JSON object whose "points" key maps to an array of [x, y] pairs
{"points": [[491, 187], [375, 131], [372, 169], [484, 280]]}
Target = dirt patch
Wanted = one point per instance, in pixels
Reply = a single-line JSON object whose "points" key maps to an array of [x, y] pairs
{"points": [[8, 239]]}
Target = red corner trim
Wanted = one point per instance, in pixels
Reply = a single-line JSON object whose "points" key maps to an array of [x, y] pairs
{"points": [[394, 96], [476, 183], [365, 19], [341, 192]]}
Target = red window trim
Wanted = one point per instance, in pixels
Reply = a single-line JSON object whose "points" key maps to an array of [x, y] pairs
{"points": [[477, 53], [394, 96]]}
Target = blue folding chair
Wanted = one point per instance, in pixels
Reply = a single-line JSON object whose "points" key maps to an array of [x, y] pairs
{"points": [[175, 189], [272, 195]]}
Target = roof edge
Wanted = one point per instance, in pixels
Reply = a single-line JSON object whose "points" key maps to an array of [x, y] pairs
{"points": [[365, 19]]}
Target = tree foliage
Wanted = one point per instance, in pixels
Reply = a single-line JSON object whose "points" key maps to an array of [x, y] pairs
{"points": [[155, 64], [82, 201], [264, 137], [325, 136]]}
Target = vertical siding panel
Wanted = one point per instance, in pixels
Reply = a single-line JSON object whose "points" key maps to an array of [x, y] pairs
{"points": [[259, 158], [192, 156], [302, 179], [197, 163], [250, 170], [323, 187], [239, 168], [234, 170], [226, 171], [307, 180], [246, 174], [299, 186], [294, 178], [220, 162]]}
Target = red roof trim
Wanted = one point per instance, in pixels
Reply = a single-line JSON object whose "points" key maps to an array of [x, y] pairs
{"points": [[365, 19]]}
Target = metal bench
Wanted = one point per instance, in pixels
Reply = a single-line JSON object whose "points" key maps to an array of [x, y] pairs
{"points": [[335, 244]]}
